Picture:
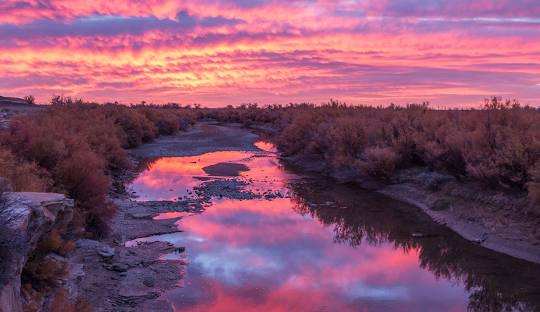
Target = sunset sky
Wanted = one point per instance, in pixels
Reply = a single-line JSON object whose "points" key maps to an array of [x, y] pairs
{"points": [[451, 53]]}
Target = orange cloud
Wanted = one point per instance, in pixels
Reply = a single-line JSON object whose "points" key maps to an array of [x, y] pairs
{"points": [[231, 52]]}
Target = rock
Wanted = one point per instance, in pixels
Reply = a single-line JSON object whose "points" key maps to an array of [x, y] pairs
{"points": [[141, 215], [149, 282], [481, 239], [87, 244], [106, 251], [36, 214], [441, 204], [120, 267]]}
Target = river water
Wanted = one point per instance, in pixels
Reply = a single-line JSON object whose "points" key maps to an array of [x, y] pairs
{"points": [[318, 246]]}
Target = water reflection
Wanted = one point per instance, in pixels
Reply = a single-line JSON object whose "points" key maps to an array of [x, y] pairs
{"points": [[326, 248], [173, 177], [494, 282]]}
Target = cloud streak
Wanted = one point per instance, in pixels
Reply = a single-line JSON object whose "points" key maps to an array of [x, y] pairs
{"points": [[231, 52]]}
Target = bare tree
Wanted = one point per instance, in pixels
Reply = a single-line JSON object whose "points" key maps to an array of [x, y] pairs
{"points": [[30, 99]]}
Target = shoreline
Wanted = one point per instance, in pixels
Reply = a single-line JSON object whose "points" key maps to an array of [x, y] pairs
{"points": [[463, 214], [135, 220], [135, 277]]}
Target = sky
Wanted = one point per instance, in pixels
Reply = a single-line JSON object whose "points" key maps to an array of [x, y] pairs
{"points": [[215, 53]]}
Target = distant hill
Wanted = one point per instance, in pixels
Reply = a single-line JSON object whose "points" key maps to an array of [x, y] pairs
{"points": [[11, 106], [13, 101]]}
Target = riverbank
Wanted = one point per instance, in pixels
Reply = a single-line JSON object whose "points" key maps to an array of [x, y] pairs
{"points": [[128, 279], [116, 277], [485, 217], [488, 218]]}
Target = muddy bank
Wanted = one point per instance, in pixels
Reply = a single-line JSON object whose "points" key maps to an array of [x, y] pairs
{"points": [[121, 276], [204, 137], [134, 276], [494, 220]]}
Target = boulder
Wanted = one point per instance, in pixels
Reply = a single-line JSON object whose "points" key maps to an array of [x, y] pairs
{"points": [[35, 215]]}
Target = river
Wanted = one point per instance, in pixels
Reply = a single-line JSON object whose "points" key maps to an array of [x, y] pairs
{"points": [[303, 243]]}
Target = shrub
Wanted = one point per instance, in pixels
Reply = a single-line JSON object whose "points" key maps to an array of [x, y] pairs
{"points": [[378, 161], [165, 122], [136, 127], [30, 99], [346, 140], [534, 189], [75, 148], [55, 242], [83, 177], [20, 175], [62, 303], [497, 145]]}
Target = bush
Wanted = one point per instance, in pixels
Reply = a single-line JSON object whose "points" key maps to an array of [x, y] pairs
{"points": [[534, 189], [20, 175], [497, 145], [30, 99], [378, 161], [75, 148], [61, 303], [136, 127]]}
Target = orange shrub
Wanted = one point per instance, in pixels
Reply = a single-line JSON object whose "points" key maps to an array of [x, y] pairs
{"points": [[56, 243], [498, 145], [79, 146], [534, 189], [378, 161], [137, 129], [20, 175], [165, 122]]}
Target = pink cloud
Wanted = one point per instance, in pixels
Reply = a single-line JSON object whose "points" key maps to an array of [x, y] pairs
{"points": [[231, 52]]}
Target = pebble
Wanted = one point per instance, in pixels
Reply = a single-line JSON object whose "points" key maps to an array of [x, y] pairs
{"points": [[149, 282], [120, 267], [106, 251]]}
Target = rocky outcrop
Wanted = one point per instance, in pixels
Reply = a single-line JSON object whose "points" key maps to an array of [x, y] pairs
{"points": [[34, 216]]}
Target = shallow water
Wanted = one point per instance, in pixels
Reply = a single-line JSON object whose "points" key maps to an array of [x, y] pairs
{"points": [[323, 247]]}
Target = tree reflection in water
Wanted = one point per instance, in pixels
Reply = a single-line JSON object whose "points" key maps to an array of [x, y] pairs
{"points": [[495, 282]]}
